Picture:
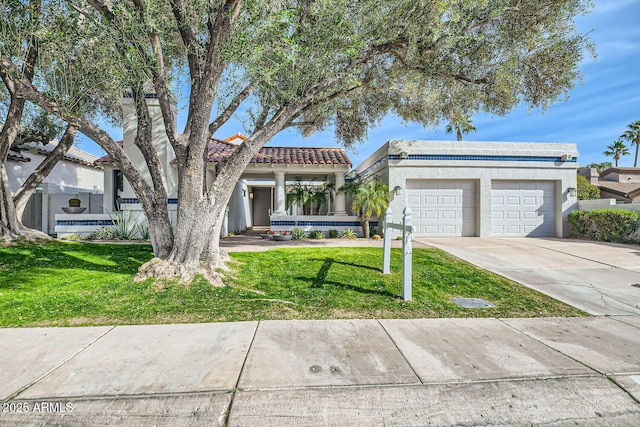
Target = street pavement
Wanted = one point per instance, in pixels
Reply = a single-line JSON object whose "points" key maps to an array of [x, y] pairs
{"points": [[548, 371]]}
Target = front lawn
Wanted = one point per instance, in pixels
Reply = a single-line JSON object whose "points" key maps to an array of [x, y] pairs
{"points": [[62, 284]]}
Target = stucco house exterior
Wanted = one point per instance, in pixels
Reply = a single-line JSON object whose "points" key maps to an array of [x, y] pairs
{"points": [[479, 188], [75, 175], [621, 184], [76, 171], [453, 188]]}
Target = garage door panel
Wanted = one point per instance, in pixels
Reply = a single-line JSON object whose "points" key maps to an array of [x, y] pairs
{"points": [[442, 207], [527, 211], [450, 200]]}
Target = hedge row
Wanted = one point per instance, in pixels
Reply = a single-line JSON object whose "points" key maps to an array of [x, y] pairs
{"points": [[606, 225]]}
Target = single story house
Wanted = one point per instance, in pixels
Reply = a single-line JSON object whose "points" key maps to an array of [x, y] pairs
{"points": [[621, 184], [453, 188]]}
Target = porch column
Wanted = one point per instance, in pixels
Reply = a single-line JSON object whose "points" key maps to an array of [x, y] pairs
{"points": [[280, 194], [340, 206]]}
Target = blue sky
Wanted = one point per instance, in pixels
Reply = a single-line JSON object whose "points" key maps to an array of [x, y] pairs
{"points": [[595, 114]]}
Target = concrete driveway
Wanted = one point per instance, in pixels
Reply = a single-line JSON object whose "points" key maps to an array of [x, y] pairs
{"points": [[599, 278]]}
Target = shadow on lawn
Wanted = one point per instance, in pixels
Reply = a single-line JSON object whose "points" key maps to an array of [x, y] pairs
{"points": [[41, 259], [321, 278]]}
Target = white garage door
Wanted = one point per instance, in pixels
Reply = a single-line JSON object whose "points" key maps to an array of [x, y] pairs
{"points": [[442, 208], [523, 208]]}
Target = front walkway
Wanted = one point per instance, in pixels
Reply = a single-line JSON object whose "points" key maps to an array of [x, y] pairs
{"points": [[252, 242], [576, 371]]}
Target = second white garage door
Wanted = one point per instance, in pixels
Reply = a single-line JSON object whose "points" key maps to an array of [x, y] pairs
{"points": [[442, 208], [523, 208]]}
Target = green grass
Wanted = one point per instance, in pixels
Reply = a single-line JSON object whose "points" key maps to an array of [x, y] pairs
{"points": [[61, 284]]}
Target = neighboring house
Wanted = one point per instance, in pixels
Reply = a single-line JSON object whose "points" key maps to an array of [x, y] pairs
{"points": [[76, 174], [621, 184], [479, 188], [453, 188]]}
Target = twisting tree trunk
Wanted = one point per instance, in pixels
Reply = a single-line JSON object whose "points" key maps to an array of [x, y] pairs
{"points": [[10, 225]]}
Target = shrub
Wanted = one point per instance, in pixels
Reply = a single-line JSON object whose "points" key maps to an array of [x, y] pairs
{"points": [[606, 225], [349, 234], [614, 225], [317, 234], [581, 225], [333, 234], [297, 233], [74, 202], [72, 236], [587, 191]]}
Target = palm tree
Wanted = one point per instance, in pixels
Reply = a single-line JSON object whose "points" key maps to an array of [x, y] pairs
{"points": [[633, 136], [461, 124], [616, 150], [368, 198]]}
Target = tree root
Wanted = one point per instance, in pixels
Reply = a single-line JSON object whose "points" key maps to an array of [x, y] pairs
{"points": [[24, 234], [161, 269]]}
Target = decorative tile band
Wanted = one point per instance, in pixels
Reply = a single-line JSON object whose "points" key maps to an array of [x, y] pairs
{"points": [[134, 201], [85, 222], [315, 223], [482, 158]]}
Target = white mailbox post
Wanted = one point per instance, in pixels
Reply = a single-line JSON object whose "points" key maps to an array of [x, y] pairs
{"points": [[407, 250]]}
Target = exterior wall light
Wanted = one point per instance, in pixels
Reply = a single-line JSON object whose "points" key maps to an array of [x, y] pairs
{"points": [[398, 190], [404, 155], [251, 195], [572, 192]]}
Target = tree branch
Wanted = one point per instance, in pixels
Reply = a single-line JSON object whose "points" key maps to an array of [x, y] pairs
{"points": [[231, 108], [143, 142], [102, 8], [159, 83], [187, 34], [26, 90]]}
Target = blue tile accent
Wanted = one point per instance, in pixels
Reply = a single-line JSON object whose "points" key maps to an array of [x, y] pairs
{"points": [[483, 158], [134, 201], [94, 222], [315, 223]]}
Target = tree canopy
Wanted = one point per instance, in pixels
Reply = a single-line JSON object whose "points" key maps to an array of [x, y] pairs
{"points": [[290, 63]]}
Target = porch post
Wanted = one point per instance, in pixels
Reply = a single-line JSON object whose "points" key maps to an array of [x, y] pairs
{"points": [[340, 206], [280, 194]]}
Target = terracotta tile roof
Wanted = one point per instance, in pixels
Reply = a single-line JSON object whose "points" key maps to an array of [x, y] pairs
{"points": [[73, 155], [17, 157], [219, 150], [107, 158]]}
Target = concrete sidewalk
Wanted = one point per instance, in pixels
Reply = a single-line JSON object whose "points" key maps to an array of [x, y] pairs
{"points": [[583, 371]]}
